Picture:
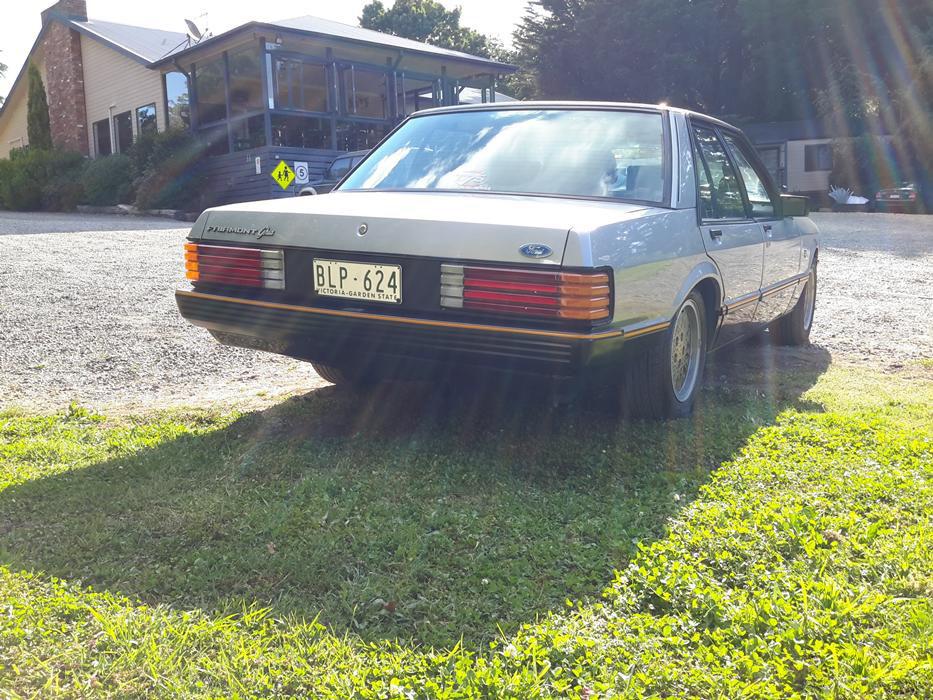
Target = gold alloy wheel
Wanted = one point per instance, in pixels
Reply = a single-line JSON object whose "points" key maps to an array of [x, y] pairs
{"points": [[685, 351]]}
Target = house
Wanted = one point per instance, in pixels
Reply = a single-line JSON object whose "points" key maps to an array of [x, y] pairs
{"points": [[799, 154], [300, 90]]}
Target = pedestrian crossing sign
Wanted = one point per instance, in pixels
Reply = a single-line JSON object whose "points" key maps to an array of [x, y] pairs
{"points": [[283, 175]]}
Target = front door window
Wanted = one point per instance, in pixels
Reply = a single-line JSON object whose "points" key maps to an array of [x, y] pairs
{"points": [[759, 197], [724, 198]]}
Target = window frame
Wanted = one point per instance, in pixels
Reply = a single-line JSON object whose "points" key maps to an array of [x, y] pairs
{"points": [[751, 155], [193, 86], [693, 124], [155, 115], [165, 100], [293, 105], [347, 98], [95, 129], [118, 147], [819, 147]]}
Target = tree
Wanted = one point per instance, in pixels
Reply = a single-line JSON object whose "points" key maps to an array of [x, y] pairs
{"points": [[767, 60], [37, 112], [2, 74], [427, 21]]}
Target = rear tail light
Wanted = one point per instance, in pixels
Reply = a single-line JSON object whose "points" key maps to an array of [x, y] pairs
{"points": [[569, 295], [912, 195], [245, 267]]}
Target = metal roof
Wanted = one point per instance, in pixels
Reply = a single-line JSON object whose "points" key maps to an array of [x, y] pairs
{"points": [[140, 43], [316, 26]]}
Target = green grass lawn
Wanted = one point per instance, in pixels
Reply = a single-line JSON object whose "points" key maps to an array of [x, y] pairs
{"points": [[777, 543]]}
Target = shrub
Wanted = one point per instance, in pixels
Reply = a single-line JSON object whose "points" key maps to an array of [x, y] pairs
{"points": [[37, 112], [36, 179], [109, 181], [168, 170]]}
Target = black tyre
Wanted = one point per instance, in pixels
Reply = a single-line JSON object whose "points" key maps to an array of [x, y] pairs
{"points": [[331, 374], [663, 381], [794, 328]]}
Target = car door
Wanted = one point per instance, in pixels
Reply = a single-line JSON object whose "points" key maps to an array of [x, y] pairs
{"points": [[782, 241], [732, 238]]}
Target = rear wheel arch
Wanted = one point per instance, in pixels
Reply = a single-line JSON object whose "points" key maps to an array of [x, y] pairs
{"points": [[711, 292]]}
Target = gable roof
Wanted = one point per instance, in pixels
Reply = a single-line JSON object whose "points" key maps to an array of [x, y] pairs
{"points": [[316, 26], [138, 43], [142, 44], [319, 25]]}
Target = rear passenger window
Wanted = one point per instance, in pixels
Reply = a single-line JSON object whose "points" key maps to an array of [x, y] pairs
{"points": [[725, 195], [758, 195], [339, 168]]}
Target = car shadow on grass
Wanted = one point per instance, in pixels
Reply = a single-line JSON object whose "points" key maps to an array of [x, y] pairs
{"points": [[420, 515]]}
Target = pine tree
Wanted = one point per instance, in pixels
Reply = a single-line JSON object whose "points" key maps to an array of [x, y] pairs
{"points": [[37, 113]]}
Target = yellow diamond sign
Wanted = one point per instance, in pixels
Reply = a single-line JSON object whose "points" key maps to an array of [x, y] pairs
{"points": [[283, 175]]}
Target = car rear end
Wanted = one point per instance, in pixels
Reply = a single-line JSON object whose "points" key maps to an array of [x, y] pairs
{"points": [[399, 296], [897, 199]]}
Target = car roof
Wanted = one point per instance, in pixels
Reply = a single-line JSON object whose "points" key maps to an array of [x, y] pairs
{"points": [[351, 154], [571, 104]]}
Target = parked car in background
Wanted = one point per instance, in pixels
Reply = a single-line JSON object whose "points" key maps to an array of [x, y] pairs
{"points": [[905, 198], [597, 246], [335, 172]]}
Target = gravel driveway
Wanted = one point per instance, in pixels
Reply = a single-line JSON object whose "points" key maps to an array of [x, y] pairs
{"points": [[88, 315]]}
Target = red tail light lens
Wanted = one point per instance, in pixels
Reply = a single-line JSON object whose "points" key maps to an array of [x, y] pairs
{"points": [[245, 267], [570, 295]]}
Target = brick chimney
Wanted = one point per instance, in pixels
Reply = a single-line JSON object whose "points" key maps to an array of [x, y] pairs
{"points": [[64, 71]]}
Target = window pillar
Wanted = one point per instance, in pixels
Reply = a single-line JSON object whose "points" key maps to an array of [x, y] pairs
{"points": [[267, 99], [332, 96]]}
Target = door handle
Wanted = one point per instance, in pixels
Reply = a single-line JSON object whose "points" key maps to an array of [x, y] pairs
{"points": [[715, 233]]}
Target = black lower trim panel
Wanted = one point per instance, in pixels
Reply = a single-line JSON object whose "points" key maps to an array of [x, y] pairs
{"points": [[380, 344]]}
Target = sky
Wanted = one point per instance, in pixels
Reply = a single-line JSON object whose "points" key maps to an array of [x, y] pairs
{"points": [[21, 21]]}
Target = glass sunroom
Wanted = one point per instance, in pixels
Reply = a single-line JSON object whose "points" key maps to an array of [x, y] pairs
{"points": [[305, 90]]}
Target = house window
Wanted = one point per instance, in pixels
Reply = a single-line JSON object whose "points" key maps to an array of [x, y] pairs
{"points": [[177, 102], [358, 136], [248, 132], [300, 132], [102, 138], [300, 85], [818, 157], [146, 120], [123, 129], [210, 91], [245, 67], [365, 93], [415, 94]]}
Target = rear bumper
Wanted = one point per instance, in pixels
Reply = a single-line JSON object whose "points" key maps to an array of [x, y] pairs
{"points": [[402, 346]]}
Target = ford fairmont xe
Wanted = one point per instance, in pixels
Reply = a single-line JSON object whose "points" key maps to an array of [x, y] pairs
{"points": [[593, 245]]}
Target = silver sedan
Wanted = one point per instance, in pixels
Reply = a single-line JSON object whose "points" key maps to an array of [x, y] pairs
{"points": [[590, 244]]}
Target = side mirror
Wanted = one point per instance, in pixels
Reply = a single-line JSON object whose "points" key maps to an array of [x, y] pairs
{"points": [[792, 205]]}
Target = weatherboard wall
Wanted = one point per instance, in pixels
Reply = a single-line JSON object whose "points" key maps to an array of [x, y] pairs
{"points": [[110, 78], [232, 177]]}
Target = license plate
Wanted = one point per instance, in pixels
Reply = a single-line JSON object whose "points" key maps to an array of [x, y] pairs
{"points": [[351, 280]]}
